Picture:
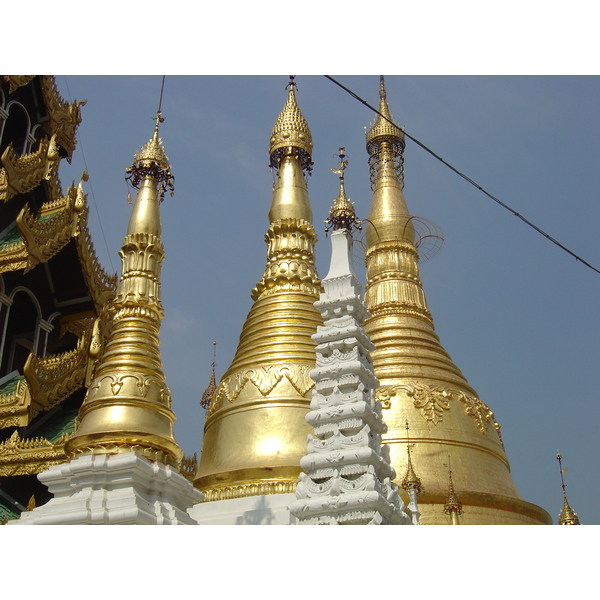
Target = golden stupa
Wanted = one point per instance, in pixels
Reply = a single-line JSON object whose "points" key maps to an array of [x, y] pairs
{"points": [[419, 382], [128, 404], [255, 432]]}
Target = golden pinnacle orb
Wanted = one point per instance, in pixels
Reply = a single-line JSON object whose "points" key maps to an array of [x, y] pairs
{"points": [[128, 405], [255, 431], [418, 380]]}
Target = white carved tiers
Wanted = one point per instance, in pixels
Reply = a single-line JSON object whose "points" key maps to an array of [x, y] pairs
{"points": [[348, 475], [114, 489]]}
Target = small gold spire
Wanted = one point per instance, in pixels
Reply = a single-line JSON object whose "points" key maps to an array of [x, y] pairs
{"points": [[212, 386], [291, 131], [452, 506], [567, 516], [410, 481], [342, 214]]}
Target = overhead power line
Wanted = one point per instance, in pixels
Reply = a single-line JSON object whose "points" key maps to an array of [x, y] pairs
{"points": [[466, 178]]}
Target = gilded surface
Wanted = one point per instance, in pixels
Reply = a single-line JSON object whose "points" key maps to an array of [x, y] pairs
{"points": [[419, 381], [127, 407], [30, 456], [17, 81], [21, 173], [56, 376], [15, 405], [65, 117], [255, 431]]}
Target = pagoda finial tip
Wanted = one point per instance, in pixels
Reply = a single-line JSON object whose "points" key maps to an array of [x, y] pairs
{"points": [[342, 214]]}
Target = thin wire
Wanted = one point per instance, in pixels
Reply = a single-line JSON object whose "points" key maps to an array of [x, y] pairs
{"points": [[466, 178], [162, 87], [91, 187]]}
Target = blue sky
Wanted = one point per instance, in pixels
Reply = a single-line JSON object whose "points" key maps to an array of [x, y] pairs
{"points": [[517, 314]]}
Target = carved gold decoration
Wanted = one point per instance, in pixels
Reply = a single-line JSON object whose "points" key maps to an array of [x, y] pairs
{"points": [[102, 286], [244, 490], [480, 412], [65, 117], [264, 379], [291, 130], [49, 232], [291, 265], [30, 456], [56, 376], [189, 466], [432, 401], [15, 405], [20, 174], [17, 81]]}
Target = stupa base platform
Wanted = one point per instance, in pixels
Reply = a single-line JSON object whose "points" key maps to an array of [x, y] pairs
{"points": [[118, 489]]}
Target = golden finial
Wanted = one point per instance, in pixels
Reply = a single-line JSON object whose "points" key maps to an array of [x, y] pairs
{"points": [[342, 214], [452, 506], [410, 479], [385, 141], [152, 160], [212, 386], [567, 516], [291, 132]]}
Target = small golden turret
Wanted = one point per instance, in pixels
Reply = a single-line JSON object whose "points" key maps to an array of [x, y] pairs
{"points": [[410, 481], [567, 515], [453, 505], [212, 385], [255, 431], [419, 381], [128, 404]]}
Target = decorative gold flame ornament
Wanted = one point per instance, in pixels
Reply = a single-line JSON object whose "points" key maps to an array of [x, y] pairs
{"points": [[419, 381], [255, 431], [128, 405]]}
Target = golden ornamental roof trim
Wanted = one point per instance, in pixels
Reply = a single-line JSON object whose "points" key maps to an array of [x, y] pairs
{"points": [[15, 405], [30, 456], [65, 117], [22, 173], [55, 377], [17, 81]]}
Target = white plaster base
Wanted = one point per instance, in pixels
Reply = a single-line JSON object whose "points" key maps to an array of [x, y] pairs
{"points": [[254, 510], [117, 489]]}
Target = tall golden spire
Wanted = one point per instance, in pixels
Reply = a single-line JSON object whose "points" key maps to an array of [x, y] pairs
{"points": [[419, 381], [567, 515], [128, 405], [255, 431]]}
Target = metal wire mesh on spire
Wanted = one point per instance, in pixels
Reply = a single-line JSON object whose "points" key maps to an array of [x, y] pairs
{"points": [[385, 141]]}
